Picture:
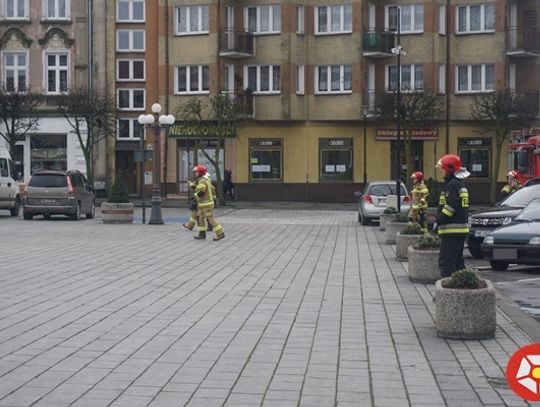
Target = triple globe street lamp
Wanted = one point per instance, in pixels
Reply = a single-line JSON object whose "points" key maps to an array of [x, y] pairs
{"points": [[156, 122]]}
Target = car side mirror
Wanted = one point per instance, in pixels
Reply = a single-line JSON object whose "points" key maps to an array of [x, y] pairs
{"points": [[19, 176]]}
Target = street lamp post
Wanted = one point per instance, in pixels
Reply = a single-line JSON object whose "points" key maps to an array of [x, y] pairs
{"points": [[156, 122], [364, 117]]}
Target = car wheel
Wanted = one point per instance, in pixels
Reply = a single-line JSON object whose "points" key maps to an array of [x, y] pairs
{"points": [[27, 216], [92, 213], [15, 210], [498, 265], [77, 214], [475, 250]]}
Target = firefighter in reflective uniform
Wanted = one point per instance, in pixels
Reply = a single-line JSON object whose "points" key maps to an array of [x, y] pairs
{"points": [[452, 215], [205, 205], [193, 204], [512, 184], [419, 200]]}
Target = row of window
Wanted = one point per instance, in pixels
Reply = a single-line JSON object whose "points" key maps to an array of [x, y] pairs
{"points": [[266, 19], [52, 9], [55, 71]]}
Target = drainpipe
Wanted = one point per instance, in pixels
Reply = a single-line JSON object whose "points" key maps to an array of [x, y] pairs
{"points": [[167, 98], [89, 130], [447, 80]]}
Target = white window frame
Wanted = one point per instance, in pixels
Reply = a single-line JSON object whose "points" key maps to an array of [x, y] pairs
{"points": [[130, 19], [469, 79], [413, 17], [131, 107], [329, 31], [15, 8], [413, 78], [16, 68], [56, 8], [258, 17], [257, 91], [131, 33], [300, 79], [131, 78], [442, 19], [442, 79], [342, 90], [468, 19], [189, 10], [132, 123], [300, 20], [56, 52], [188, 90]]}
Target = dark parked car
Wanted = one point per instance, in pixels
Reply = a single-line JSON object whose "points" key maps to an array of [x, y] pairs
{"points": [[517, 243], [58, 193], [485, 222]]}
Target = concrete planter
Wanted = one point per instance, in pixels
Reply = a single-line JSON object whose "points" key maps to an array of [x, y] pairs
{"points": [[384, 219], [392, 229], [116, 212], [465, 314], [403, 242], [423, 265]]}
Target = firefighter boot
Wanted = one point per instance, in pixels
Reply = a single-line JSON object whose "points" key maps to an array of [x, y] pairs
{"points": [[219, 236], [200, 236], [187, 226]]}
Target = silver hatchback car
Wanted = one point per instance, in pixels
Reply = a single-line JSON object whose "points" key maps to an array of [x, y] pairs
{"points": [[373, 200], [58, 193]]}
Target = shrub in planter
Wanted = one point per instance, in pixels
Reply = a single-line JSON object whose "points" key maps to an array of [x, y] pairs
{"points": [[424, 260], [118, 208], [387, 215], [407, 236], [465, 307], [394, 226]]}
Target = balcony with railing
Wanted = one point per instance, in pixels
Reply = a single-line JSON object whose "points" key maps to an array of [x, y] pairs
{"points": [[243, 101], [378, 44], [236, 43], [523, 43]]}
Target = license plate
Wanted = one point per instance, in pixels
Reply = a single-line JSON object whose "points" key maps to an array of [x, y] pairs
{"points": [[480, 233], [48, 201], [382, 200], [504, 254]]}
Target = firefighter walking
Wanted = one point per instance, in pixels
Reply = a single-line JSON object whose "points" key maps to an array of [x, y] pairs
{"points": [[452, 215], [205, 205], [420, 192]]}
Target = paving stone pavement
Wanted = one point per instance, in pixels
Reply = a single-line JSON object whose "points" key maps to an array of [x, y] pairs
{"points": [[294, 308]]}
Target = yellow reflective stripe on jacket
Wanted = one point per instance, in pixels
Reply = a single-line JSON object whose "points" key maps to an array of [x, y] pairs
{"points": [[442, 199], [453, 228], [464, 195], [448, 210]]}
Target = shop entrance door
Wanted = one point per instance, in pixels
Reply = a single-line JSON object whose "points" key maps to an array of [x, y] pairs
{"points": [[186, 162], [417, 152], [125, 164]]}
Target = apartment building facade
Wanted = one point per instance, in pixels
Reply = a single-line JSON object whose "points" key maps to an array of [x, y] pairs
{"points": [[310, 74], [45, 48]]}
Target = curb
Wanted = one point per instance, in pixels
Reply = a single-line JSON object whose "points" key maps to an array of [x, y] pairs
{"points": [[529, 325]]}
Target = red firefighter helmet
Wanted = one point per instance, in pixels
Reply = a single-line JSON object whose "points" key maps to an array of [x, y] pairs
{"points": [[417, 176], [512, 174], [450, 163], [200, 170]]}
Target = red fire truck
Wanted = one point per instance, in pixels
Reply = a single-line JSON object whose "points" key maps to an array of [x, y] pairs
{"points": [[524, 157]]}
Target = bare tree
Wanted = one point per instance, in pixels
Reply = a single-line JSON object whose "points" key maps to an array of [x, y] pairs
{"points": [[217, 119], [18, 114], [499, 113], [92, 115], [418, 109]]}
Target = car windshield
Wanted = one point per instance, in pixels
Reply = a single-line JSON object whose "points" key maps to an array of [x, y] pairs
{"points": [[385, 189], [531, 212], [48, 181], [523, 196]]}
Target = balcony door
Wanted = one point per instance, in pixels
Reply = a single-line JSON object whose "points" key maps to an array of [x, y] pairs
{"points": [[229, 26], [229, 80], [371, 17]]}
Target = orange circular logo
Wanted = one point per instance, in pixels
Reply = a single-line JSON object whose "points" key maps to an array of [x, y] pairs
{"points": [[523, 372]]}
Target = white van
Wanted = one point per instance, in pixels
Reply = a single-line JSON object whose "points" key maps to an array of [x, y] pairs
{"points": [[9, 187]]}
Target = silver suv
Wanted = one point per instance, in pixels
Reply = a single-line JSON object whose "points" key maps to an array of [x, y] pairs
{"points": [[58, 193]]}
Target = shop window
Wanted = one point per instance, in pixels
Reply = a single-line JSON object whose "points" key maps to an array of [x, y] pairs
{"points": [[475, 154], [48, 152], [265, 160], [335, 159]]}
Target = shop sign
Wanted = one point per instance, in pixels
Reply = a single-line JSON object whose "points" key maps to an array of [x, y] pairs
{"points": [[204, 128], [265, 143], [416, 134], [474, 142], [335, 142], [197, 143]]}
